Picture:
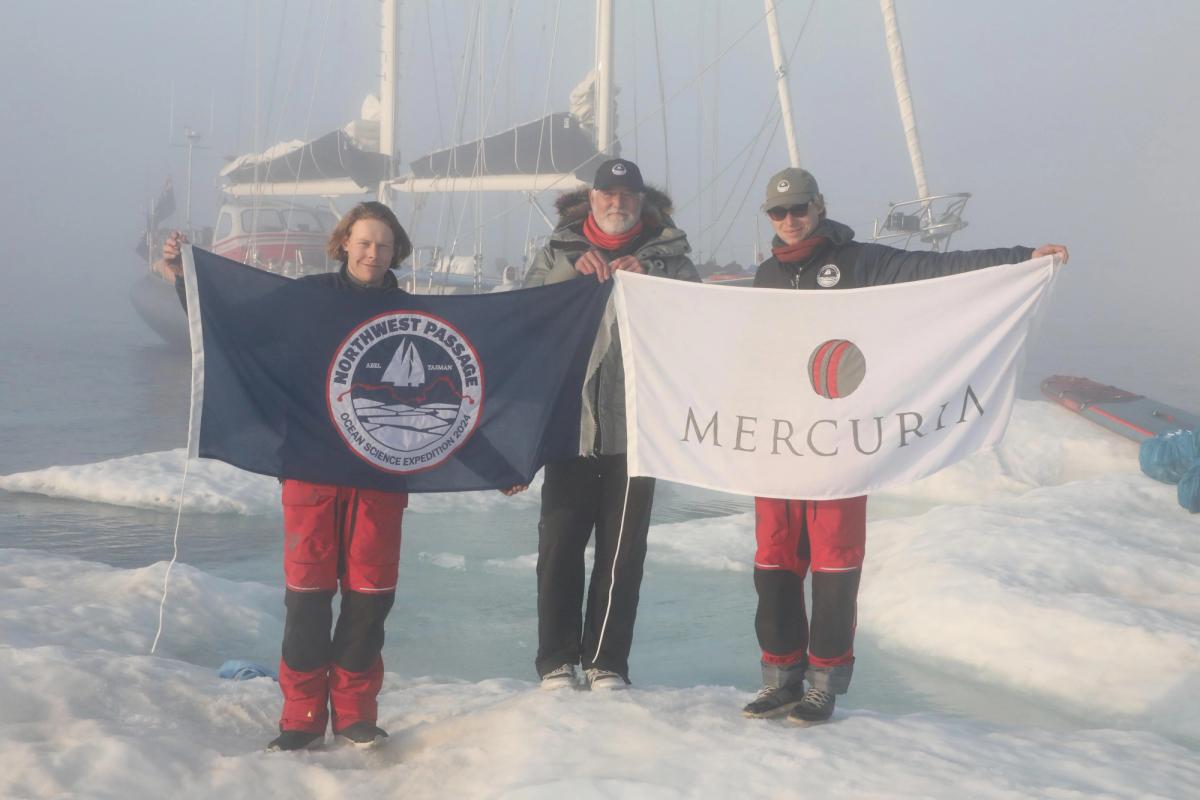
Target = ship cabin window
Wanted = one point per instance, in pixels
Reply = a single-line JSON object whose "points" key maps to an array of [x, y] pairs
{"points": [[295, 220], [327, 219], [303, 220], [224, 226], [269, 221]]}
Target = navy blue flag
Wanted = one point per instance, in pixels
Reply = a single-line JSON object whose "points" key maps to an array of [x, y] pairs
{"points": [[393, 391]]}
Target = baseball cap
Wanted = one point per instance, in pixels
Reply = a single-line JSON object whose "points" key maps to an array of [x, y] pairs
{"points": [[618, 172], [790, 187]]}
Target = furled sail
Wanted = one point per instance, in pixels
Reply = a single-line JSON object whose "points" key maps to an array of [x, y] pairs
{"points": [[557, 143], [351, 152]]}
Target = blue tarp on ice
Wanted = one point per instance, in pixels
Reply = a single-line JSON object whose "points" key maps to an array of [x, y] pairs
{"points": [[1175, 458]]}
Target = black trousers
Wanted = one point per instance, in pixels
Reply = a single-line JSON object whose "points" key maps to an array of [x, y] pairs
{"points": [[579, 496]]}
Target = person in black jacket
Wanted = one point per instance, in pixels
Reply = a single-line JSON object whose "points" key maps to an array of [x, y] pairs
{"points": [[337, 536], [813, 252]]}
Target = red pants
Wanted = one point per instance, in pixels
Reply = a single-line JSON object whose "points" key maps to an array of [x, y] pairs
{"points": [[336, 534], [793, 535]]}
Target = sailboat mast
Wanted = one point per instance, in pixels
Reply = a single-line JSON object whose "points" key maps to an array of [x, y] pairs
{"points": [[388, 73], [781, 70], [908, 117], [604, 76]]}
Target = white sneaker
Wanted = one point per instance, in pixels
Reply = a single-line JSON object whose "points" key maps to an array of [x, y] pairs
{"points": [[560, 678], [603, 680]]}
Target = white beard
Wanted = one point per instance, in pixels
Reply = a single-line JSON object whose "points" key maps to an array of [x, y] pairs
{"points": [[615, 225]]}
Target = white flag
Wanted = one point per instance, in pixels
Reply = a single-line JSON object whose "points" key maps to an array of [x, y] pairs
{"points": [[821, 394]]}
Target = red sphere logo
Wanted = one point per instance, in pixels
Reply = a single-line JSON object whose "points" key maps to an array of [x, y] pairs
{"points": [[836, 368]]}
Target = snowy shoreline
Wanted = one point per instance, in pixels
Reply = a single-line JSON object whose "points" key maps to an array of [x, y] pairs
{"points": [[88, 713]]}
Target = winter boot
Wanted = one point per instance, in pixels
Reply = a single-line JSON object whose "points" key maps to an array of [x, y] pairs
{"points": [[295, 740], [560, 678], [783, 687], [363, 734], [603, 680], [814, 708]]}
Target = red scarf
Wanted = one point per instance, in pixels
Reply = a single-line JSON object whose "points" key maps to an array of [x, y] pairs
{"points": [[793, 253], [605, 241]]}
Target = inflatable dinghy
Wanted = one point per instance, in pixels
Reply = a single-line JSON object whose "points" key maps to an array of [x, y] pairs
{"points": [[1131, 415]]}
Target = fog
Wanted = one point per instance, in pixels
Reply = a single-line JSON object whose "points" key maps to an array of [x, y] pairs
{"points": [[1072, 122]]}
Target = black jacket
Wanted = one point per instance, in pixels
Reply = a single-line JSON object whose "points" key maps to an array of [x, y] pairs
{"points": [[843, 263], [339, 280]]}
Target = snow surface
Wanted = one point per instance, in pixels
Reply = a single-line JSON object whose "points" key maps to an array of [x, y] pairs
{"points": [[1048, 572]]}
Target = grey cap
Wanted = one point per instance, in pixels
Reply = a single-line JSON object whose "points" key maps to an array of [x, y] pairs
{"points": [[790, 187]]}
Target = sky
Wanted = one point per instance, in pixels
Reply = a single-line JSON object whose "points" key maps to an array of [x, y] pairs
{"points": [[1070, 122]]}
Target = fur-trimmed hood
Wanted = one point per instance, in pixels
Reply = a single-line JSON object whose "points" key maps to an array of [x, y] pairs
{"points": [[657, 208]]}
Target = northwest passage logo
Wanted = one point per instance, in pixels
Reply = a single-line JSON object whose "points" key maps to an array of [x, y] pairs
{"points": [[405, 391]]}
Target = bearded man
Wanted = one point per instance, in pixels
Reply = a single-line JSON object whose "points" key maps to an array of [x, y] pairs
{"points": [[619, 224]]}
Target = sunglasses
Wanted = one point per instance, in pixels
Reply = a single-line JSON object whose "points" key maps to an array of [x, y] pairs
{"points": [[779, 212]]}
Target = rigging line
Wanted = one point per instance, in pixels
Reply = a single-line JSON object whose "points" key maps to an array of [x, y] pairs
{"points": [[779, 118], [464, 82], [437, 93], [700, 226], [637, 124], [749, 146], [287, 224], [479, 129], [684, 88], [460, 111], [447, 198], [162, 604], [750, 186], [237, 136], [661, 94], [287, 95], [537, 164], [476, 55], [485, 118], [271, 97], [637, 157], [774, 113], [700, 74], [803, 27]]}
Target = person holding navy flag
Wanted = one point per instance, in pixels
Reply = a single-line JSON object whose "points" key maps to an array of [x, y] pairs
{"points": [[813, 252], [619, 224], [338, 535]]}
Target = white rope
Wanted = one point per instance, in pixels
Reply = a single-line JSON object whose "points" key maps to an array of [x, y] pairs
{"points": [[162, 605], [612, 578]]}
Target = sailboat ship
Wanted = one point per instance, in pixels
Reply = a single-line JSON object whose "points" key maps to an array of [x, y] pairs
{"points": [[555, 152]]}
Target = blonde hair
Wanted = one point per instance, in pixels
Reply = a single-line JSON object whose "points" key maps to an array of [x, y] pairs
{"points": [[335, 248]]}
